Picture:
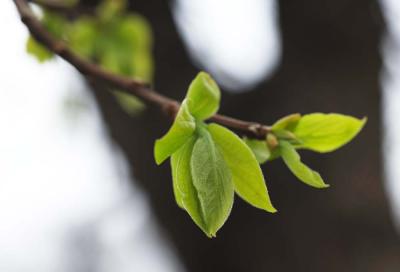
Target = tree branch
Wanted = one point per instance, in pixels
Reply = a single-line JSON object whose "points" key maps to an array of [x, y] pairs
{"points": [[138, 88], [69, 11]]}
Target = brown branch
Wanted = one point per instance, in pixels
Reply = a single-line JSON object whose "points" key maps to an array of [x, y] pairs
{"points": [[69, 11], [132, 86]]}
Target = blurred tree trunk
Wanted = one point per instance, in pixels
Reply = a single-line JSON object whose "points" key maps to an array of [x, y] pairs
{"points": [[331, 63]]}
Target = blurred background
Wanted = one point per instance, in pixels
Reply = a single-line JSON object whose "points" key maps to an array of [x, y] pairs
{"points": [[79, 189]]}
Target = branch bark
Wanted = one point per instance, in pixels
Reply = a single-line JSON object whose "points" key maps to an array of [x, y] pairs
{"points": [[132, 86], [68, 11]]}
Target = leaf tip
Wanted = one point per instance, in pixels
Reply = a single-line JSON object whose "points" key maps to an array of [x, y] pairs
{"points": [[157, 154], [323, 186], [271, 209], [364, 120]]}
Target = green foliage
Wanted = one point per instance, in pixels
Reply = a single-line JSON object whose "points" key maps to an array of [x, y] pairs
{"points": [[204, 96], [209, 162], [287, 122], [247, 176], [129, 103], [212, 179], [35, 48], [119, 41], [185, 193], [182, 129], [299, 169], [327, 132], [317, 132], [259, 148]]}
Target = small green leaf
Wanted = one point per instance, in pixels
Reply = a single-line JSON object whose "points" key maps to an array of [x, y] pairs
{"points": [[299, 169], [327, 132], [129, 103], [259, 148], [246, 172], [185, 193], [83, 36], [37, 50], [181, 130], [204, 96], [212, 180], [287, 122]]}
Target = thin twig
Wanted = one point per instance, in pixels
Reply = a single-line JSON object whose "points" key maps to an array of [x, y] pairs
{"points": [[132, 86], [69, 11]]}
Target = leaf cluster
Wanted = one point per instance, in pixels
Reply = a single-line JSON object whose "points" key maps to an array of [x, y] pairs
{"points": [[210, 163], [317, 132], [118, 40]]}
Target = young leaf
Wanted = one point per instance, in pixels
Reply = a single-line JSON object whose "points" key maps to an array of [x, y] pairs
{"points": [[299, 169], [259, 148], [246, 172], [204, 96], [37, 50], [327, 132], [287, 122], [129, 103], [185, 193], [83, 36], [212, 180], [181, 130]]}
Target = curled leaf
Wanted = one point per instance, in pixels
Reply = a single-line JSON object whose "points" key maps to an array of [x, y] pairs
{"points": [[204, 96], [181, 130]]}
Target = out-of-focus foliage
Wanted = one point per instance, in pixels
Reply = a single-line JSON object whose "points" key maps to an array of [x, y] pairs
{"points": [[118, 40]]}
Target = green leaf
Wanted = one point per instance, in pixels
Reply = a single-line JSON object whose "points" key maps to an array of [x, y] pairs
{"points": [[204, 96], [327, 132], [246, 172], [110, 8], [212, 180], [136, 30], [259, 148], [287, 122], [129, 103], [181, 130], [185, 193], [37, 50], [83, 37], [55, 24], [299, 169]]}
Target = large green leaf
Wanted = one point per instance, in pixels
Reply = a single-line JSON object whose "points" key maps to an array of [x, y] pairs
{"points": [[212, 180], [204, 96], [299, 169], [185, 193], [181, 130], [327, 132], [246, 172]]}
